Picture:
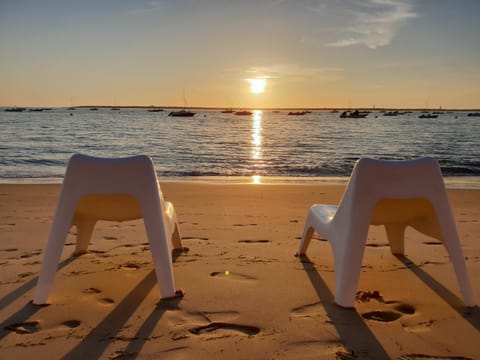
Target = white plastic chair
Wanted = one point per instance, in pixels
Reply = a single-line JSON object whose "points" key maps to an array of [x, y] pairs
{"points": [[395, 194], [116, 189]]}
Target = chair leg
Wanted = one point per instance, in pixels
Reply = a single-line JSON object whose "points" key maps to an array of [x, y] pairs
{"points": [[159, 246], [454, 249], [348, 255], [85, 226], [346, 281], [162, 260], [450, 238], [396, 238], [460, 268], [58, 233], [308, 232], [171, 218], [176, 239]]}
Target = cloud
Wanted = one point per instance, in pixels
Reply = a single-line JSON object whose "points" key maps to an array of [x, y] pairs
{"points": [[294, 72], [147, 7], [374, 22]]}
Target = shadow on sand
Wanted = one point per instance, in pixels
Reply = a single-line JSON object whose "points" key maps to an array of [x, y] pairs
{"points": [[29, 309], [351, 327], [472, 314], [96, 342]]}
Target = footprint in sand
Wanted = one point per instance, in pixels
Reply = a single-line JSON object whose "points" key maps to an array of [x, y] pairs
{"points": [[382, 315], [30, 254], [195, 238], [308, 310], [71, 324], [405, 308], [214, 326], [130, 266], [128, 245], [377, 245], [25, 274], [216, 321], [420, 327], [92, 291], [180, 318], [107, 301], [28, 327], [432, 243], [231, 275], [186, 222], [262, 241], [220, 316], [101, 253], [434, 357], [389, 315]]}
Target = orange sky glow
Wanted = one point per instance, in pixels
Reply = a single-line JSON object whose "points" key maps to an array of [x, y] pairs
{"points": [[263, 54]]}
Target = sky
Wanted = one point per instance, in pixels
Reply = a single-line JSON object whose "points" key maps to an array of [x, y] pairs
{"points": [[307, 53]]}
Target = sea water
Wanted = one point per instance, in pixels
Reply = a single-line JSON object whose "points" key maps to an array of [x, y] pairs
{"points": [[35, 146]]}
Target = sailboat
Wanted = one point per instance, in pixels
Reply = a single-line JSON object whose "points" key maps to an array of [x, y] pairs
{"points": [[184, 112], [426, 114], [228, 109]]}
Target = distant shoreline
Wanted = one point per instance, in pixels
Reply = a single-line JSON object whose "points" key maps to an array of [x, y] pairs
{"points": [[243, 108]]}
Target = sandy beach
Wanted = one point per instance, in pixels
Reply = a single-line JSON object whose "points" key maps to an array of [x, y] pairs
{"points": [[246, 295]]}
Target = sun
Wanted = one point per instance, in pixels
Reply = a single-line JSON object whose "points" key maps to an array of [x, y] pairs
{"points": [[257, 86]]}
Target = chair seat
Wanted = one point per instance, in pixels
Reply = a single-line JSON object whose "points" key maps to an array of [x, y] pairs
{"points": [[112, 207], [389, 211]]}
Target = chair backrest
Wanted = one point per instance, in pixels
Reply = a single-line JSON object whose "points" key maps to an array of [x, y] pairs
{"points": [[109, 188], [382, 189], [109, 174]]}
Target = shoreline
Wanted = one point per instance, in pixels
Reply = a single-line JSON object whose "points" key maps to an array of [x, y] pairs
{"points": [[451, 182]]}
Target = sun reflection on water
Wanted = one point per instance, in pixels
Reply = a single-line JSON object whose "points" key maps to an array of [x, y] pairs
{"points": [[257, 139], [256, 179], [257, 134]]}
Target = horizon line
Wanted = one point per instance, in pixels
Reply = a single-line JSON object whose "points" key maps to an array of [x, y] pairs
{"points": [[243, 108]]}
